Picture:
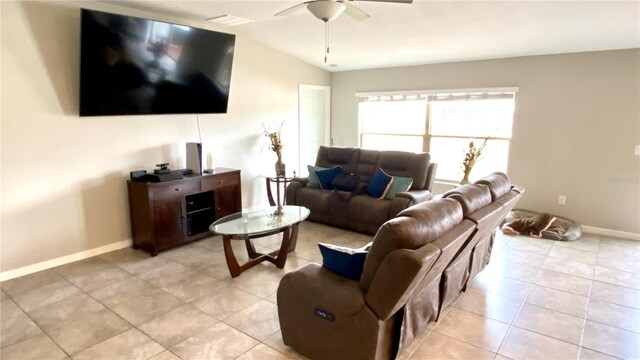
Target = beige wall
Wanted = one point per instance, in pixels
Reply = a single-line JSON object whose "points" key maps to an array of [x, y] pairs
{"points": [[64, 177], [576, 123]]}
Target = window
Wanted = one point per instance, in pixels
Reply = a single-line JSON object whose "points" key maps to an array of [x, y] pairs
{"points": [[393, 124], [443, 125]]}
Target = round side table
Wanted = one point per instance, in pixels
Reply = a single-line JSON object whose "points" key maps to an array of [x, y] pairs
{"points": [[281, 183]]}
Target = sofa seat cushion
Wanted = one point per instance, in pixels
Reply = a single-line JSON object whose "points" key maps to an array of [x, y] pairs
{"points": [[314, 284], [316, 200], [368, 210]]}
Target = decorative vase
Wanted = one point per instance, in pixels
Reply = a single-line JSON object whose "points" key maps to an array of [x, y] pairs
{"points": [[280, 167], [465, 179]]}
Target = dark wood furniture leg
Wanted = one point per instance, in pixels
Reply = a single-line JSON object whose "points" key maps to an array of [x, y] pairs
{"points": [[294, 238], [232, 263], [277, 257], [284, 248], [269, 193], [251, 250]]}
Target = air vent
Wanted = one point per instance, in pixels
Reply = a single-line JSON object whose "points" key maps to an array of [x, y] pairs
{"points": [[230, 20]]}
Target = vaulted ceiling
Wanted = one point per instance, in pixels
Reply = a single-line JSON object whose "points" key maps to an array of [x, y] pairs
{"points": [[426, 31]]}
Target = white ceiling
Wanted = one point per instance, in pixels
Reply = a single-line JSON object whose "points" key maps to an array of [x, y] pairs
{"points": [[426, 31]]}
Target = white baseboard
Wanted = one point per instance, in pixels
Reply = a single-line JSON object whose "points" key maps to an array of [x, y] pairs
{"points": [[48, 264], [611, 232]]}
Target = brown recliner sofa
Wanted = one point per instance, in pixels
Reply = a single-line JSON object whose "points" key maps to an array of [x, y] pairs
{"points": [[359, 211], [418, 261]]}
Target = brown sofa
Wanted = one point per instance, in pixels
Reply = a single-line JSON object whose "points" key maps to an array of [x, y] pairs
{"points": [[361, 212], [419, 261]]}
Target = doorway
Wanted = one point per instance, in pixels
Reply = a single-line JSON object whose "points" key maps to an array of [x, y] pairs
{"points": [[314, 117]]}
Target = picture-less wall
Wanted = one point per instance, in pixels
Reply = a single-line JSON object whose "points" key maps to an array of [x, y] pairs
{"points": [[64, 177], [577, 121]]}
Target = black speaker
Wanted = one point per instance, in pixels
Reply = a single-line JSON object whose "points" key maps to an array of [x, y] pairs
{"points": [[194, 158]]}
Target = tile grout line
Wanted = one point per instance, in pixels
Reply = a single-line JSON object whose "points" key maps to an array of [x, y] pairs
{"points": [[511, 324], [586, 315], [106, 308], [518, 312], [39, 327]]}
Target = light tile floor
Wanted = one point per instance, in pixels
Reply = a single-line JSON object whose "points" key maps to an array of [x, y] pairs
{"points": [[537, 299]]}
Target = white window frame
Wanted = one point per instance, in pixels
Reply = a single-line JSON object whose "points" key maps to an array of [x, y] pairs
{"points": [[430, 96]]}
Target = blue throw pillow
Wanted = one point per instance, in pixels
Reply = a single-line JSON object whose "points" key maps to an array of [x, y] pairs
{"points": [[399, 184], [344, 261], [379, 184], [326, 177], [312, 180]]}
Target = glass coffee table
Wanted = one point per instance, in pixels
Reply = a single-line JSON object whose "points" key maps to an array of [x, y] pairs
{"points": [[259, 223]]}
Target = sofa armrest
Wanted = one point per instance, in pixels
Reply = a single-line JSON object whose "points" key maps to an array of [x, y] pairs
{"points": [[301, 180], [318, 287], [397, 278], [416, 196], [292, 189], [405, 199], [431, 176]]}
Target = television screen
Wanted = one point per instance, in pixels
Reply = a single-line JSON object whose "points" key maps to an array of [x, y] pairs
{"points": [[133, 66]]}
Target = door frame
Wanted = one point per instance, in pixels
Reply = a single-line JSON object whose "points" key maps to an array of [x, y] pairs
{"points": [[327, 116]]}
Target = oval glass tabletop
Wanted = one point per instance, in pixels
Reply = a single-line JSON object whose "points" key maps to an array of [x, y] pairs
{"points": [[256, 222]]}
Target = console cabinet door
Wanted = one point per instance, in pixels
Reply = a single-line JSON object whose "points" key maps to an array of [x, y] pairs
{"points": [[227, 200], [169, 222]]}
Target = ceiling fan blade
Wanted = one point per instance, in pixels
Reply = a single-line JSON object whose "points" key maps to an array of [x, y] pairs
{"points": [[354, 11], [292, 9], [390, 1]]}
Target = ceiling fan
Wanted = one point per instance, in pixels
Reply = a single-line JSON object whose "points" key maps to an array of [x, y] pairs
{"points": [[327, 10]]}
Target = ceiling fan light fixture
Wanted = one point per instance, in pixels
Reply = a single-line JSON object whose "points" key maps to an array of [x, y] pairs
{"points": [[326, 10]]}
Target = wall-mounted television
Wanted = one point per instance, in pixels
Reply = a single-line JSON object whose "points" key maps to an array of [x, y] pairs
{"points": [[134, 66]]}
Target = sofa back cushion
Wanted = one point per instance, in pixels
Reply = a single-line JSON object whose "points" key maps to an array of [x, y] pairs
{"points": [[330, 156], [364, 163], [411, 229], [367, 164], [471, 197], [498, 183], [406, 164]]}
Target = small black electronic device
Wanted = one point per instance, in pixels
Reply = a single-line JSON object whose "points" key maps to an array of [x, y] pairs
{"points": [[163, 169], [134, 175], [142, 175]]}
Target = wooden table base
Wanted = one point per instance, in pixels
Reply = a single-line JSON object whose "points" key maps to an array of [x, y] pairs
{"points": [[278, 257]]}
